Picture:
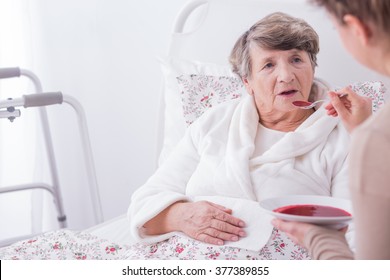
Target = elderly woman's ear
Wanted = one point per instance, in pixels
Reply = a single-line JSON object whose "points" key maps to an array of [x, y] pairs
{"points": [[247, 86]]}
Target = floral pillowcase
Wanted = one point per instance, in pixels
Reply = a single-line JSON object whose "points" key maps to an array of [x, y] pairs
{"points": [[375, 90], [190, 88], [201, 92]]}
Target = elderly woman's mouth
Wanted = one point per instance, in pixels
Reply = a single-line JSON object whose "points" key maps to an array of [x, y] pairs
{"points": [[288, 92]]}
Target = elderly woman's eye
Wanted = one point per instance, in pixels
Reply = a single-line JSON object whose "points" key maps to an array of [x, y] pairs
{"points": [[268, 65], [297, 59]]}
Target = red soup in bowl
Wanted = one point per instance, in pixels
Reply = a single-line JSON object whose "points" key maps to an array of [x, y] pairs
{"points": [[312, 210]]}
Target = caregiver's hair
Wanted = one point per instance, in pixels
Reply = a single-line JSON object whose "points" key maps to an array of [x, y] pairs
{"points": [[277, 31], [368, 11]]}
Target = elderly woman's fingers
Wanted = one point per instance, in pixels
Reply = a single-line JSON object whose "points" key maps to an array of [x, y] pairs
{"points": [[229, 219], [224, 214], [209, 222], [220, 207], [228, 228], [221, 235], [215, 236], [209, 239]]}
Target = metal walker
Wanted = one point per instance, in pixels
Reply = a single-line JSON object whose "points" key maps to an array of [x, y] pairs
{"points": [[8, 109]]}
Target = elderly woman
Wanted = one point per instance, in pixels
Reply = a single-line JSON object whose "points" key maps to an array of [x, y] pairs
{"points": [[206, 194]]}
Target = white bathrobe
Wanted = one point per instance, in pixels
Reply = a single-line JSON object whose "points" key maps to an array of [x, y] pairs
{"points": [[214, 161]]}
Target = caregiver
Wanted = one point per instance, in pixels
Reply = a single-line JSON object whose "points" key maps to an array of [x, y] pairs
{"points": [[364, 28], [246, 150]]}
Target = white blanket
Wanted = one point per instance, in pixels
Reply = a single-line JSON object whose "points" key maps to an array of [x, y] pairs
{"points": [[214, 161]]}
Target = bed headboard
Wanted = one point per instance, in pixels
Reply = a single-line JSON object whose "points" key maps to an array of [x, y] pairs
{"points": [[206, 30], [221, 22]]}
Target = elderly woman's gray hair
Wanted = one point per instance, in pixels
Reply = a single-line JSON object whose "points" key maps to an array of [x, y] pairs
{"points": [[277, 31]]}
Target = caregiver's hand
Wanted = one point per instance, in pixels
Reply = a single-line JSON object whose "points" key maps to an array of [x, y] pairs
{"points": [[297, 231], [202, 220], [353, 109]]}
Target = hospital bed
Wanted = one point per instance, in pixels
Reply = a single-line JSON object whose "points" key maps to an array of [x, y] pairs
{"points": [[203, 35]]}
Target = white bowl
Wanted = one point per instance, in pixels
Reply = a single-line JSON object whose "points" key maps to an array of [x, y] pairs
{"points": [[332, 222]]}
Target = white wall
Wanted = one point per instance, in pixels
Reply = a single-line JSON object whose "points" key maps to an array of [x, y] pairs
{"points": [[104, 54]]}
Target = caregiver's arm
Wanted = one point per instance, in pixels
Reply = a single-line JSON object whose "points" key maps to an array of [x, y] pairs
{"points": [[370, 176], [322, 243], [202, 220]]}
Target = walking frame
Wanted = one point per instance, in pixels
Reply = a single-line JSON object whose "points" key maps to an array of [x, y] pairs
{"points": [[8, 109]]}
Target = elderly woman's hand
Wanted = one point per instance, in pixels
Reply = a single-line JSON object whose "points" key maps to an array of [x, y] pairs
{"points": [[353, 109], [202, 220], [209, 222]]}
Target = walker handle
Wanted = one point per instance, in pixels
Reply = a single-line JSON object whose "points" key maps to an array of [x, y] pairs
{"points": [[42, 99], [9, 72]]}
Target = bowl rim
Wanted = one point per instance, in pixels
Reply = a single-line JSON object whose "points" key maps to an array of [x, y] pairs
{"points": [[270, 204]]}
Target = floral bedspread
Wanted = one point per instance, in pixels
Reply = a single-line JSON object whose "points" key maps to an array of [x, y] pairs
{"points": [[64, 245], [76, 245]]}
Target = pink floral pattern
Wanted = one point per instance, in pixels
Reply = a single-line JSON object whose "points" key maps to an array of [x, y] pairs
{"points": [[64, 245], [180, 247], [73, 245], [200, 92], [374, 90]]}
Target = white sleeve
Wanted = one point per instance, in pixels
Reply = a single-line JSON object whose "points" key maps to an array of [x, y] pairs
{"points": [[166, 186], [340, 179], [339, 143]]}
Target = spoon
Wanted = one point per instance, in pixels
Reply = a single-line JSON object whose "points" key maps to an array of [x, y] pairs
{"points": [[308, 105]]}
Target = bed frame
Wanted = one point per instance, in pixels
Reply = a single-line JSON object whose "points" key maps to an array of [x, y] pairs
{"points": [[206, 30]]}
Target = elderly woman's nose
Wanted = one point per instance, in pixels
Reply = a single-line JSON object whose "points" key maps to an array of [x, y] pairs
{"points": [[285, 74]]}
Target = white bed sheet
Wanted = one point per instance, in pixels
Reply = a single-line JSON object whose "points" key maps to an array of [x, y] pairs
{"points": [[116, 230]]}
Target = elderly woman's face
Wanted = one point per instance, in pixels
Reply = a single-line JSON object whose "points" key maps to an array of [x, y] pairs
{"points": [[278, 78]]}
